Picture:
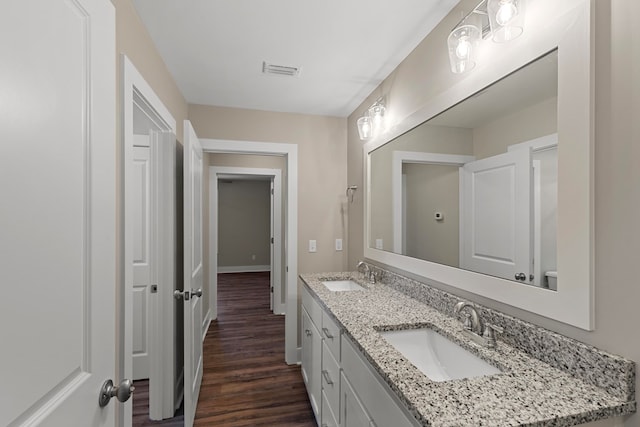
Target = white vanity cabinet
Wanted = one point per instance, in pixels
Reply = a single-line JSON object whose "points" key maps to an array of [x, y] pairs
{"points": [[364, 390], [311, 355], [343, 388]]}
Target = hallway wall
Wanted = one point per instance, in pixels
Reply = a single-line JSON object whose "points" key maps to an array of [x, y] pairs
{"points": [[322, 170]]}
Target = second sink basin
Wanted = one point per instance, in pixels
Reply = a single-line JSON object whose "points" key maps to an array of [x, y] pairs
{"points": [[342, 285], [436, 356]]}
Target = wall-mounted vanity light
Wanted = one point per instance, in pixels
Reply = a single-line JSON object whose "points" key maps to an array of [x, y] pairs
{"points": [[503, 19], [372, 122]]}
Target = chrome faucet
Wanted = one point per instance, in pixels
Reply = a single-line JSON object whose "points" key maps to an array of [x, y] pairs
{"points": [[475, 328], [473, 322], [368, 273]]}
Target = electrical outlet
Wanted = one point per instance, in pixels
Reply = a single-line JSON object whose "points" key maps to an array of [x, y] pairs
{"points": [[338, 244], [312, 246], [379, 244]]}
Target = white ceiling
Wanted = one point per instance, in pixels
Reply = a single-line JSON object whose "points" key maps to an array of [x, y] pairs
{"points": [[215, 48]]}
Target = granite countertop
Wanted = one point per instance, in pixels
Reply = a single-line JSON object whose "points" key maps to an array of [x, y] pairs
{"points": [[528, 392]]}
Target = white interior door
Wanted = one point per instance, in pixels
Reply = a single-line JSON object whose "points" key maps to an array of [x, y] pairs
{"points": [[143, 251], [496, 214], [193, 266], [164, 376], [58, 215]]}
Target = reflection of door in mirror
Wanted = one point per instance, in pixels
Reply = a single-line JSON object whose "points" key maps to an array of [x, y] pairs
{"points": [[496, 214]]}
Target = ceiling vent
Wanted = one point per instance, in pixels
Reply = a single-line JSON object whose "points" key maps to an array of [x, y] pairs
{"points": [[280, 70]]}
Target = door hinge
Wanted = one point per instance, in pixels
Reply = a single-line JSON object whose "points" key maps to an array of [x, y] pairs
{"points": [[272, 240], [287, 268], [272, 289], [272, 191], [154, 289]]}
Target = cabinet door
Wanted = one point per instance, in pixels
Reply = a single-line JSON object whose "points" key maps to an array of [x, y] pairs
{"points": [[312, 361], [353, 413]]}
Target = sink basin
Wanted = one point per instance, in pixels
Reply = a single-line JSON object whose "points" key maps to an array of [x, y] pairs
{"points": [[436, 356], [342, 285]]}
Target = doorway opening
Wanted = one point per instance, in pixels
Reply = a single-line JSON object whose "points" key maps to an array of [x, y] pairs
{"points": [[290, 228], [246, 227]]}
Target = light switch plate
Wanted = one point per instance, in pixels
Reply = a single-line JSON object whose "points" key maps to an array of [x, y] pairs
{"points": [[312, 245], [338, 244], [379, 244]]}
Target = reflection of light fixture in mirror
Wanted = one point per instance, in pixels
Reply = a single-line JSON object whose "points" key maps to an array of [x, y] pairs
{"points": [[372, 122], [506, 18], [462, 44]]}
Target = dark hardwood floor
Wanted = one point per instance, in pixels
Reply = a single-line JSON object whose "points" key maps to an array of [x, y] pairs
{"points": [[246, 381], [141, 409]]}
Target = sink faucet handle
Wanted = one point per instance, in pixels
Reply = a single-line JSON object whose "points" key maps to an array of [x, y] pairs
{"points": [[489, 334]]}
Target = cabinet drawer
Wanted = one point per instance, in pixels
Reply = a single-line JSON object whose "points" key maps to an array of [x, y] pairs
{"points": [[328, 417], [383, 406], [330, 379], [331, 335], [312, 307]]}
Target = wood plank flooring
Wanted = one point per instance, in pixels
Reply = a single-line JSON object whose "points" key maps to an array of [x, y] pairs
{"points": [[246, 381]]}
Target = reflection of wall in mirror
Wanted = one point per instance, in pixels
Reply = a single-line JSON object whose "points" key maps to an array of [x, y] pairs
{"points": [[425, 138], [432, 188], [548, 211], [529, 123]]}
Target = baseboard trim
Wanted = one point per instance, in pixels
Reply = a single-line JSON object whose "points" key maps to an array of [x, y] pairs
{"points": [[244, 268]]}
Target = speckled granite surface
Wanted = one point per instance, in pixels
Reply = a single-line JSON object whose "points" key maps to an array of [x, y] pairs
{"points": [[529, 392]]}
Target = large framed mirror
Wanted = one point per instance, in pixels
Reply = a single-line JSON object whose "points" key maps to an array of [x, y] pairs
{"points": [[488, 187]]}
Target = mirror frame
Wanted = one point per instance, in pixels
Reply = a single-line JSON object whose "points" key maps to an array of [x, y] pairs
{"points": [[573, 302]]}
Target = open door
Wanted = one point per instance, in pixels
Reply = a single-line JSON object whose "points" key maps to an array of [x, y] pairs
{"points": [[162, 380], [496, 215], [58, 186], [193, 272]]}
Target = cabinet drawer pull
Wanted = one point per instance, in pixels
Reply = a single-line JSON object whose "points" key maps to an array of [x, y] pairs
{"points": [[327, 333], [307, 332], [326, 376]]}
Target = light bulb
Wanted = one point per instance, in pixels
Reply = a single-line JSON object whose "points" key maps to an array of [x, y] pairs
{"points": [[506, 12], [366, 129], [464, 48]]}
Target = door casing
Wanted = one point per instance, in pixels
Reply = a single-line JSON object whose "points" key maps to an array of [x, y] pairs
{"points": [[276, 213]]}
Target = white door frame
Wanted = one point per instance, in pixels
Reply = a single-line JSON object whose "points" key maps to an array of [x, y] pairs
{"points": [[292, 355], [276, 219], [136, 91]]}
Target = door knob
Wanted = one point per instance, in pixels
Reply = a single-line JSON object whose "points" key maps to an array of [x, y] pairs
{"points": [[521, 276], [181, 295], [197, 293], [122, 392]]}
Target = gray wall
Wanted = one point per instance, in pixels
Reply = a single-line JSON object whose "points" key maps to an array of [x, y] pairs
{"points": [[244, 223]]}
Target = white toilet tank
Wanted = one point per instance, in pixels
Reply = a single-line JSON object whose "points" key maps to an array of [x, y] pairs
{"points": [[552, 279]]}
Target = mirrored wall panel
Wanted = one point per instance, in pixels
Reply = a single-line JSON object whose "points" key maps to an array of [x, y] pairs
{"points": [[475, 187]]}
